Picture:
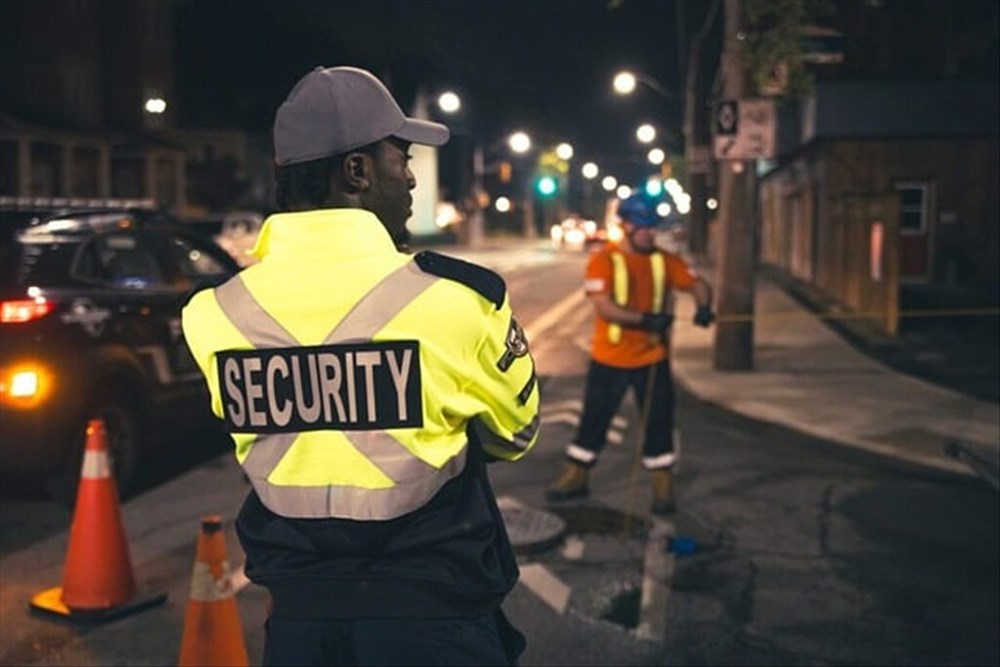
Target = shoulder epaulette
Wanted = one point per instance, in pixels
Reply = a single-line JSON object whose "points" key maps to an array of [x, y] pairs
{"points": [[487, 283]]}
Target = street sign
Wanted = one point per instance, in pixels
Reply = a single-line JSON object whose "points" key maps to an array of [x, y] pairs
{"points": [[745, 129]]}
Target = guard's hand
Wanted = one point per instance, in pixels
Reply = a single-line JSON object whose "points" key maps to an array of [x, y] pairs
{"points": [[703, 317], [656, 322]]}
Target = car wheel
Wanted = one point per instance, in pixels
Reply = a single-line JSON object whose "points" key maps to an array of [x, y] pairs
{"points": [[123, 425]]}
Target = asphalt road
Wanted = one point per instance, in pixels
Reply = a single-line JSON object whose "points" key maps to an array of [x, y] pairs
{"points": [[806, 552]]}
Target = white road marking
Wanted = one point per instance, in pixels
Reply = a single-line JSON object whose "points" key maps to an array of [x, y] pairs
{"points": [[550, 588], [657, 579], [573, 548], [553, 315]]}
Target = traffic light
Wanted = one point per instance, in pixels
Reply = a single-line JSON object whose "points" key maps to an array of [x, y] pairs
{"points": [[546, 186]]}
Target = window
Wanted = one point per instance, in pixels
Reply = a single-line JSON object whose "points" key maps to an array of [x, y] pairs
{"points": [[194, 261], [121, 260], [912, 208]]}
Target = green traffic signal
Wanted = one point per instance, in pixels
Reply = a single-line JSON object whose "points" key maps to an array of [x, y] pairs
{"points": [[546, 186]]}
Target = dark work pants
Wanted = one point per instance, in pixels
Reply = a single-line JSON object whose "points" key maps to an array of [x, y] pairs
{"points": [[606, 387], [480, 640]]}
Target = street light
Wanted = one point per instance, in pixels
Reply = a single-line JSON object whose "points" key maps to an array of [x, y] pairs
{"points": [[645, 133], [520, 142], [625, 81], [589, 171], [449, 102]]}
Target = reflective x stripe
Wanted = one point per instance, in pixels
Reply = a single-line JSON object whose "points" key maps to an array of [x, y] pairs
{"points": [[415, 480], [658, 267], [619, 293], [659, 274]]}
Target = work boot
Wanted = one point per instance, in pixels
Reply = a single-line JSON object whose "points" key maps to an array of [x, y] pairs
{"points": [[571, 484], [664, 501]]}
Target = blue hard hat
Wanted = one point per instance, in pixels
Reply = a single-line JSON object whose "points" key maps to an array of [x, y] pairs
{"points": [[639, 210]]}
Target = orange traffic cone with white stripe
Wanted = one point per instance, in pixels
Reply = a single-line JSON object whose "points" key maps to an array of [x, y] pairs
{"points": [[98, 584], [213, 633]]}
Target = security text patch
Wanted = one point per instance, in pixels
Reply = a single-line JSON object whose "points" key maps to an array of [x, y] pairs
{"points": [[362, 386]]}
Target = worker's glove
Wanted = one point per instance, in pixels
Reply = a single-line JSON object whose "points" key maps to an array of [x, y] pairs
{"points": [[703, 317], [656, 322]]}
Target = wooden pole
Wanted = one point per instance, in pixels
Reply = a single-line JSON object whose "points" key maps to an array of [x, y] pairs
{"points": [[737, 220]]}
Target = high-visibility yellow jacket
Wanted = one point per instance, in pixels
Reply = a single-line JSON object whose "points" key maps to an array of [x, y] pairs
{"points": [[348, 372], [365, 389]]}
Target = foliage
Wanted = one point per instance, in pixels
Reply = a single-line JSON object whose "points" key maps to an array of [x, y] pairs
{"points": [[773, 40]]}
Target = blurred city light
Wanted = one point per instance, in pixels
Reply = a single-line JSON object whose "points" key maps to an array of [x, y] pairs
{"points": [[654, 187], [609, 183], [656, 156], [623, 192], [589, 170], [520, 142], [449, 102], [564, 151], [446, 214], [712, 203], [663, 209], [502, 204], [546, 186], [645, 133], [624, 82], [155, 105]]}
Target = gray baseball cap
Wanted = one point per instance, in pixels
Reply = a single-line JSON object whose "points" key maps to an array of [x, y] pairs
{"points": [[332, 110]]}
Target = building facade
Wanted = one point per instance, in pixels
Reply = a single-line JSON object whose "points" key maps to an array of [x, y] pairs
{"points": [[86, 101]]}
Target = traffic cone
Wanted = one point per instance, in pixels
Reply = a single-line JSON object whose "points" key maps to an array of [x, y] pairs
{"points": [[213, 633], [98, 584]]}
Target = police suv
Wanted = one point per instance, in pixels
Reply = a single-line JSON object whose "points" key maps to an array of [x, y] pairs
{"points": [[90, 327]]}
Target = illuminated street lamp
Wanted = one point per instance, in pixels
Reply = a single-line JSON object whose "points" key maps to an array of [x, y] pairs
{"points": [[656, 156], [625, 82], [589, 170], [564, 151], [155, 105], [520, 142], [449, 102], [645, 133], [609, 183]]}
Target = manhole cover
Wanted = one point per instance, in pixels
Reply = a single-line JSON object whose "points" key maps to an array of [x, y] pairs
{"points": [[531, 530]]}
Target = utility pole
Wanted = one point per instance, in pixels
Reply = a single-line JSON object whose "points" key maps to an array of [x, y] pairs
{"points": [[737, 219], [697, 178], [477, 222]]}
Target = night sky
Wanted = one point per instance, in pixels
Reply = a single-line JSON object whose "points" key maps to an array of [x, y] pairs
{"points": [[540, 65]]}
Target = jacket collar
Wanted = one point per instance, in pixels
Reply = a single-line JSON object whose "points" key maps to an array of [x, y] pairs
{"points": [[331, 232]]}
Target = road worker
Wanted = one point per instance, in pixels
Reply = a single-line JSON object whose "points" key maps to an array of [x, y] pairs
{"points": [[630, 285], [362, 423]]}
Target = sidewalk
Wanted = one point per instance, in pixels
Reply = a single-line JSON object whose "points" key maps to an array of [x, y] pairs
{"points": [[808, 378]]}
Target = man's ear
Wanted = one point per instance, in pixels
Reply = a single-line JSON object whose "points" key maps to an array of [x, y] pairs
{"points": [[357, 171]]}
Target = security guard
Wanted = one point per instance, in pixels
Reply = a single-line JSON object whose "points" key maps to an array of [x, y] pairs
{"points": [[364, 389], [630, 285]]}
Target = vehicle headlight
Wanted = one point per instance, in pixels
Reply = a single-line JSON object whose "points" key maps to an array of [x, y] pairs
{"points": [[25, 386]]}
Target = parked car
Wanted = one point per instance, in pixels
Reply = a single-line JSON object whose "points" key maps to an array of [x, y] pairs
{"points": [[90, 327]]}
